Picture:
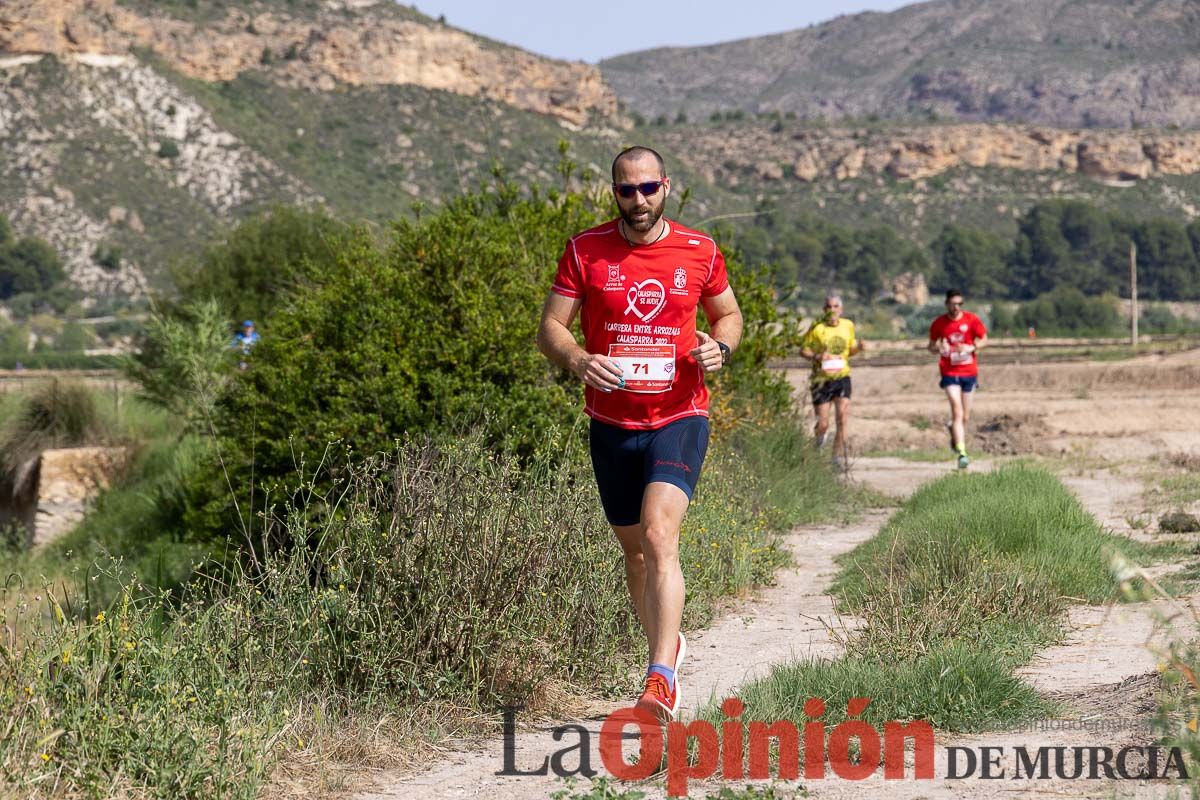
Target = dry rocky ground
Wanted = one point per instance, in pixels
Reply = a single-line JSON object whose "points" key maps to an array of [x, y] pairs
{"points": [[1106, 428]]}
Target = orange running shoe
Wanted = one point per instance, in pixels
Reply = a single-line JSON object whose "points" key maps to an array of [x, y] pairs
{"points": [[658, 698]]}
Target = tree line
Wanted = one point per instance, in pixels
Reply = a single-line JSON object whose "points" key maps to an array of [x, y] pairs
{"points": [[1059, 244]]}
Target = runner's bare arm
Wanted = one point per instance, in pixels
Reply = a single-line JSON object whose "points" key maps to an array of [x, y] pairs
{"points": [[725, 321], [557, 343], [980, 342]]}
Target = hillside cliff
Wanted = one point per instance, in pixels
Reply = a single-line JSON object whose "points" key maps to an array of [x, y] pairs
{"points": [[355, 43]]}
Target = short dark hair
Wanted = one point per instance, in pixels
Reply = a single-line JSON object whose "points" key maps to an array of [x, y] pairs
{"points": [[635, 152], [953, 293]]}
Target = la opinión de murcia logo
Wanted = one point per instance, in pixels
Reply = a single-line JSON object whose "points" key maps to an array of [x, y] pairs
{"points": [[851, 750], [729, 748]]}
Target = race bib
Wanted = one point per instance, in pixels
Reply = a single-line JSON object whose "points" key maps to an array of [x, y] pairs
{"points": [[960, 357], [646, 368], [832, 365]]}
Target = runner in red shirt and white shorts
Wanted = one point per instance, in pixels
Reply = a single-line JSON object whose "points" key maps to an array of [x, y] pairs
{"points": [[956, 337], [636, 283]]}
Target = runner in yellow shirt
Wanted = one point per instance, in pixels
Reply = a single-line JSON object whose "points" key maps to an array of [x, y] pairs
{"points": [[828, 344]]}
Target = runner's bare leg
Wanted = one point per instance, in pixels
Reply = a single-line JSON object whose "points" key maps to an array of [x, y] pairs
{"points": [[954, 394], [663, 508], [630, 537], [822, 424], [967, 397], [842, 410]]}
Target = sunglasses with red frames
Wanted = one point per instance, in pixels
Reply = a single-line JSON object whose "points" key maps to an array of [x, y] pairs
{"points": [[648, 189]]}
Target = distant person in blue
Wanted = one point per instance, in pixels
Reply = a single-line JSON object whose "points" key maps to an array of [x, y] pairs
{"points": [[245, 341]]}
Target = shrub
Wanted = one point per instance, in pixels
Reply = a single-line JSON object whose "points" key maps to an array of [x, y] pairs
{"points": [[107, 257], [1066, 311], [75, 338], [53, 415], [260, 261], [28, 265], [183, 361]]}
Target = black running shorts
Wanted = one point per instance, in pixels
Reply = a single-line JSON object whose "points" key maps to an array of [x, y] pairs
{"points": [[627, 461], [825, 391]]}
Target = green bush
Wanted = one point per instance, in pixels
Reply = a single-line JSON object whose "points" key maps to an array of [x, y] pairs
{"points": [[433, 328], [107, 257], [183, 361], [970, 260], [14, 342], [75, 338], [1158, 319], [259, 262], [28, 265], [1063, 312]]}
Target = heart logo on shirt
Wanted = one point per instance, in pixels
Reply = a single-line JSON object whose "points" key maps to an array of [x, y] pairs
{"points": [[649, 295]]}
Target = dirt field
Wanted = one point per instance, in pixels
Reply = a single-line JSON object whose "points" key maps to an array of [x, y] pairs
{"points": [[1095, 413]]}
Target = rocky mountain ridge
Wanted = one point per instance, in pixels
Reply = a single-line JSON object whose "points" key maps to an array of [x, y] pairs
{"points": [[349, 42], [916, 152], [1060, 63]]}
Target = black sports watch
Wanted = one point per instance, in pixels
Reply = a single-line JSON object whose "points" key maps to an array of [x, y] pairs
{"points": [[725, 352]]}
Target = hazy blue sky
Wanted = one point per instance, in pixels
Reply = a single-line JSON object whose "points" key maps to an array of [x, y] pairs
{"points": [[590, 31]]}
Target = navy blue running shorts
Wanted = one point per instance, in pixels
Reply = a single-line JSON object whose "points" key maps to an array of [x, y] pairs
{"points": [[626, 462], [967, 382]]}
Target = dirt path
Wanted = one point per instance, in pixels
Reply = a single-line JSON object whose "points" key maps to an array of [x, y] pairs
{"points": [[781, 624], [1103, 672]]}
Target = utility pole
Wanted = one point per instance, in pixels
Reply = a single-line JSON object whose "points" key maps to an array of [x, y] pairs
{"points": [[1133, 301]]}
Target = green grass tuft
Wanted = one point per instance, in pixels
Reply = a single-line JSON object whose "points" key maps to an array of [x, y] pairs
{"points": [[961, 586]]}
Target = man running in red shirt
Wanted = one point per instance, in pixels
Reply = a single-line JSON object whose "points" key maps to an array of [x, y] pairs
{"points": [[636, 283], [957, 336]]}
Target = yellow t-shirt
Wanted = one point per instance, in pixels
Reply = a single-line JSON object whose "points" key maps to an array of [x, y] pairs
{"points": [[832, 346]]}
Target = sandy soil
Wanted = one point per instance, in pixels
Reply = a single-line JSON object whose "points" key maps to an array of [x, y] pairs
{"points": [[1104, 413], [1105, 427]]}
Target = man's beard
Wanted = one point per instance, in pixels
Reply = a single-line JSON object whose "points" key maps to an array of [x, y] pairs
{"points": [[652, 216]]}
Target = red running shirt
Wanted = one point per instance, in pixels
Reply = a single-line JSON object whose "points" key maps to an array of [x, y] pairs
{"points": [[964, 330], [639, 308]]}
